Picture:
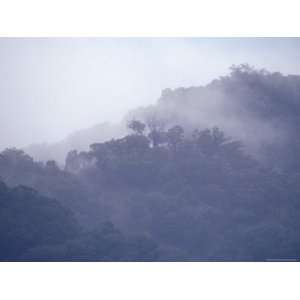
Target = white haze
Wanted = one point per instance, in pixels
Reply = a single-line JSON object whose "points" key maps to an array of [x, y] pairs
{"points": [[52, 87]]}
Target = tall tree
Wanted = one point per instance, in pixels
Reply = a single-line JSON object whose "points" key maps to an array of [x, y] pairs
{"points": [[137, 127], [175, 136]]}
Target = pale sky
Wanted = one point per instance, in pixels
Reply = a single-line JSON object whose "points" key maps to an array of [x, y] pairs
{"points": [[52, 87]]}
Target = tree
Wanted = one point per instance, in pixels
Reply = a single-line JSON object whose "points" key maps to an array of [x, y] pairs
{"points": [[52, 165], [157, 137], [29, 220], [209, 141], [137, 127], [175, 136], [71, 164]]}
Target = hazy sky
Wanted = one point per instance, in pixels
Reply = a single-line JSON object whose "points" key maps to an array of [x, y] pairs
{"points": [[51, 87]]}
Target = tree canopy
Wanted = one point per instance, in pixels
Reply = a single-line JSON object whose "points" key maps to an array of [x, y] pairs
{"points": [[172, 188]]}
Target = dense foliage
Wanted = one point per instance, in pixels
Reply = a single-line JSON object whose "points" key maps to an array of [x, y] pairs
{"points": [[28, 219], [36, 228], [166, 191], [258, 107]]}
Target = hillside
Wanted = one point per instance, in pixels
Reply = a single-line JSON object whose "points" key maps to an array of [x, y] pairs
{"points": [[79, 140], [207, 173], [258, 107]]}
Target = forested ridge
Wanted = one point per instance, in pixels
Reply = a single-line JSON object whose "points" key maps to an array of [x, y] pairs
{"points": [[174, 187]]}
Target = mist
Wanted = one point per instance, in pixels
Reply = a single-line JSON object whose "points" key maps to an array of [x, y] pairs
{"points": [[51, 87], [149, 149]]}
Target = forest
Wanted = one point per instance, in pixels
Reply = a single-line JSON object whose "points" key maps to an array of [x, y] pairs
{"points": [[208, 173]]}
